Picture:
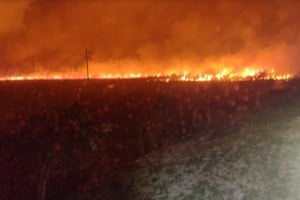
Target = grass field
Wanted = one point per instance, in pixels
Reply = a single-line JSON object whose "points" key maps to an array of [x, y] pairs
{"points": [[134, 139]]}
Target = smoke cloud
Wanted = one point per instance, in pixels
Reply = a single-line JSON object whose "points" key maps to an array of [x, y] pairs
{"points": [[149, 36]]}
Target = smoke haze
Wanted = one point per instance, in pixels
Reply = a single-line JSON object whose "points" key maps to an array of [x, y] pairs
{"points": [[145, 36]]}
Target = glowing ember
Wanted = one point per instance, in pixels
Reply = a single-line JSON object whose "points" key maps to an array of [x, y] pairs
{"points": [[223, 75]]}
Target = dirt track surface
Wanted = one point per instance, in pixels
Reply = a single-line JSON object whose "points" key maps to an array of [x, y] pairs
{"points": [[259, 161]]}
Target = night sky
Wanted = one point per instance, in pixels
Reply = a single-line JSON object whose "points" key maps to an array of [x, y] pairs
{"points": [[146, 36]]}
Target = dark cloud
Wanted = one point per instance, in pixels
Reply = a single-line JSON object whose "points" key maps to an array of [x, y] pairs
{"points": [[150, 36]]}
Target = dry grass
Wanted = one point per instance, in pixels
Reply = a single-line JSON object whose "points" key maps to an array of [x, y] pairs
{"points": [[258, 160]]}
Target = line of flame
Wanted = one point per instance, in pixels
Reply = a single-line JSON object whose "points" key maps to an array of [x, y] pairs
{"points": [[223, 75]]}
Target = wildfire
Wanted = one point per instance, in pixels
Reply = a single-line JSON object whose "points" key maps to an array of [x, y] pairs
{"points": [[223, 75]]}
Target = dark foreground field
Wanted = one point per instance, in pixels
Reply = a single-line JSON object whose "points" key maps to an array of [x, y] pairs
{"points": [[134, 139]]}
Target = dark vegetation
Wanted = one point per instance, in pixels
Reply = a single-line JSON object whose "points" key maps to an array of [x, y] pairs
{"points": [[64, 137]]}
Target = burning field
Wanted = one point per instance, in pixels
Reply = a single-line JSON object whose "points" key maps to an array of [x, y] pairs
{"points": [[143, 99], [76, 139], [224, 75]]}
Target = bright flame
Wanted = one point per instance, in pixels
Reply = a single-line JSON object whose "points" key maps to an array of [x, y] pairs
{"points": [[225, 74]]}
